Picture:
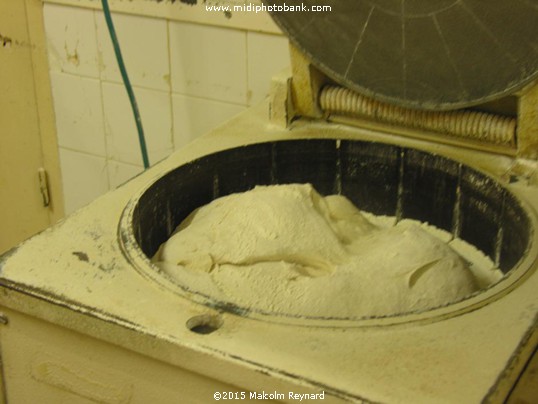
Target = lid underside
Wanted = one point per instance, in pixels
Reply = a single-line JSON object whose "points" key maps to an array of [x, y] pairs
{"points": [[435, 54]]}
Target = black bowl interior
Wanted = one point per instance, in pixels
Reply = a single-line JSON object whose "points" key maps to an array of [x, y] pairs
{"points": [[379, 178]]}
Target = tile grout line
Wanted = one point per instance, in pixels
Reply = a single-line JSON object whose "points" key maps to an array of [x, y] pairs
{"points": [[248, 95], [97, 156], [170, 103], [104, 125]]}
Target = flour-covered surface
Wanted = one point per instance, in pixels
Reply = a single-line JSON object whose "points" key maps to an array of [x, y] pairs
{"points": [[76, 276], [285, 249]]}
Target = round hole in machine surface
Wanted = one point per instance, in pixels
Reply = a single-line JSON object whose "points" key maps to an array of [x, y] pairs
{"points": [[204, 324], [378, 178]]}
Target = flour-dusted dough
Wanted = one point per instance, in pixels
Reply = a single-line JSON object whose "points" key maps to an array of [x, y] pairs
{"points": [[286, 249]]}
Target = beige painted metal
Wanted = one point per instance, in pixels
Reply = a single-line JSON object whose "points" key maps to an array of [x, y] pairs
{"points": [[306, 84], [280, 107], [75, 276], [27, 131], [526, 389], [511, 136], [49, 364], [527, 126]]}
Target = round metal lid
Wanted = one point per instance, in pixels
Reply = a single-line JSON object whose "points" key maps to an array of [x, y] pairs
{"points": [[434, 54]]}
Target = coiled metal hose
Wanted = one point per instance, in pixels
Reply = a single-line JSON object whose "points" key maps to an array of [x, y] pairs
{"points": [[475, 125]]}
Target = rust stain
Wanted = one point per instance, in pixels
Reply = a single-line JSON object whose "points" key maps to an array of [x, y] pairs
{"points": [[5, 41], [81, 256], [72, 57]]}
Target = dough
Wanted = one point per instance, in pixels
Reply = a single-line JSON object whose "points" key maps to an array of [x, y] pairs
{"points": [[286, 249]]}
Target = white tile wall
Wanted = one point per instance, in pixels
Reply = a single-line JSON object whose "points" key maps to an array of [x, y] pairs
{"points": [[84, 177], [208, 62], [120, 128], [119, 173], [188, 79], [144, 47], [79, 113], [267, 55], [71, 40], [195, 116]]}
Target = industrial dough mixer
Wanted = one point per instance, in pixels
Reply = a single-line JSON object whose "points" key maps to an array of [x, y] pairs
{"points": [[420, 110]]}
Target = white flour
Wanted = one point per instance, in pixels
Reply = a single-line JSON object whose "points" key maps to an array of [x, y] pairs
{"points": [[288, 250]]}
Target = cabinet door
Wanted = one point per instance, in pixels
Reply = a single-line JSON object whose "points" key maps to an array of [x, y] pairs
{"points": [[27, 135]]}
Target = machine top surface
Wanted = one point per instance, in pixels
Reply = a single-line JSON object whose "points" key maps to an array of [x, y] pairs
{"points": [[436, 54], [78, 276]]}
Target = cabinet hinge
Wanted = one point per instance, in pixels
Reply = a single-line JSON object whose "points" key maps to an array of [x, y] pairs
{"points": [[44, 186]]}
